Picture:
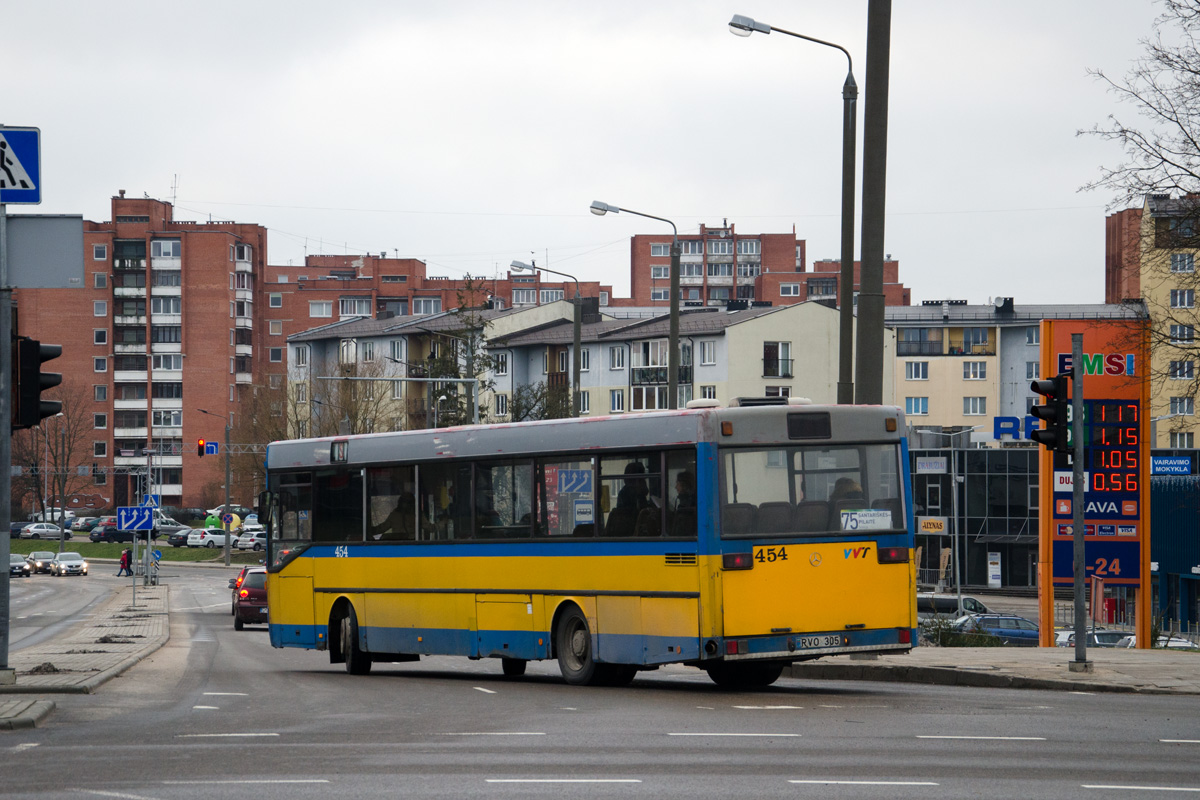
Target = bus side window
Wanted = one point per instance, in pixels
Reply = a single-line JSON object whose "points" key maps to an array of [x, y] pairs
{"points": [[338, 513], [681, 493]]}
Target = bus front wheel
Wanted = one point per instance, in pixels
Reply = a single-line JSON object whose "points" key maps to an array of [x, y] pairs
{"points": [[357, 662], [750, 675], [574, 646]]}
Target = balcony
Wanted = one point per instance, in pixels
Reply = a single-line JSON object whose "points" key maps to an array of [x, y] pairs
{"points": [[919, 348], [130, 349], [129, 319], [129, 291], [129, 263], [658, 376], [243, 349], [165, 262], [243, 378], [777, 368], [136, 405], [558, 380], [130, 433], [243, 322], [243, 266], [133, 376]]}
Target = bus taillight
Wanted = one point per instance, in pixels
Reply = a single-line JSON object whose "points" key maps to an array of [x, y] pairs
{"points": [[737, 560], [892, 555]]}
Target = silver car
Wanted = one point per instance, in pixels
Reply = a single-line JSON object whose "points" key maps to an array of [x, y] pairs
{"points": [[41, 530], [68, 564]]}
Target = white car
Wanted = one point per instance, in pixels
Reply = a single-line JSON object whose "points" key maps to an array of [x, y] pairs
{"points": [[252, 538], [41, 530], [208, 537]]}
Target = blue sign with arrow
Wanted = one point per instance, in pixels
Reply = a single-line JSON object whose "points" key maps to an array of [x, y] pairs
{"points": [[135, 518]]}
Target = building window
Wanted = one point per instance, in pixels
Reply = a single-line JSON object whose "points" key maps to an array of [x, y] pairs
{"points": [[166, 334], [524, 297], [1183, 262], [659, 294], [167, 389], [100, 392], [168, 361], [274, 299], [301, 393], [708, 392], [354, 306], [916, 406], [100, 364], [167, 419], [165, 277], [777, 359], [974, 370], [616, 400], [720, 270], [1183, 298], [427, 305], [778, 391], [552, 295], [658, 273], [691, 247], [720, 247], [708, 352], [562, 360], [789, 290], [585, 403], [320, 308], [99, 252], [616, 358], [100, 336], [1182, 334], [974, 406], [1182, 405], [916, 370], [660, 250], [242, 252], [165, 248], [1182, 440], [749, 247], [100, 449], [275, 327], [1033, 370], [501, 364], [1182, 370], [100, 308], [99, 420], [604, 298], [585, 359], [166, 305], [368, 350], [100, 280], [501, 405]]}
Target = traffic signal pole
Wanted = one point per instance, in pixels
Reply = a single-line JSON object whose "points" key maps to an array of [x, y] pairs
{"points": [[7, 675], [1080, 664]]}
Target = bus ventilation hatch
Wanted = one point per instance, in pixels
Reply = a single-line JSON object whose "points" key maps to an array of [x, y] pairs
{"points": [[680, 559]]}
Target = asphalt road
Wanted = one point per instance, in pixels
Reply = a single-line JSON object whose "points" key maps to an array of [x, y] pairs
{"points": [[220, 714]]}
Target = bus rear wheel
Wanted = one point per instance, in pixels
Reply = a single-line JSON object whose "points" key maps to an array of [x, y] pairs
{"points": [[357, 662], [752, 675]]}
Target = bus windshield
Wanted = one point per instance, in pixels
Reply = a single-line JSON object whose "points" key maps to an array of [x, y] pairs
{"points": [[811, 490]]}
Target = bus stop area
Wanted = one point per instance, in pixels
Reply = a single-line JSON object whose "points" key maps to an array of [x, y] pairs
{"points": [[121, 632]]}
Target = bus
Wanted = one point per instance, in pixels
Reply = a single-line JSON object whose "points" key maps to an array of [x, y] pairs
{"points": [[737, 540]]}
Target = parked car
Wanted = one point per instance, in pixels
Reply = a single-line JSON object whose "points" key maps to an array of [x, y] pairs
{"points": [[945, 606], [209, 537], [111, 533], [1010, 629], [18, 566], [1095, 638], [241, 511], [83, 524], [179, 538], [165, 526], [250, 519], [53, 514], [254, 539], [250, 605], [41, 530], [15, 528], [39, 561], [185, 514], [68, 564]]}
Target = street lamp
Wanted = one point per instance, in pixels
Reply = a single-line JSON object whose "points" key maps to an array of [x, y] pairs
{"points": [[436, 407], [600, 209], [576, 357], [224, 516], [1154, 426], [744, 26]]}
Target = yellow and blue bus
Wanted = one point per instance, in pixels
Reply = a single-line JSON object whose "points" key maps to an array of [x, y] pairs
{"points": [[733, 539]]}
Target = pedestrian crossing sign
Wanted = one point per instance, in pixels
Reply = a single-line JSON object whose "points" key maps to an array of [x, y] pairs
{"points": [[20, 165]]}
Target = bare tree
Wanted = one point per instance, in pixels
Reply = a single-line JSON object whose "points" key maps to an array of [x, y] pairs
{"points": [[538, 401], [1160, 170], [464, 354]]}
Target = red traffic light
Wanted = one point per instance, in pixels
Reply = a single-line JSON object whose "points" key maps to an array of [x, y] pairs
{"points": [[200, 447]]}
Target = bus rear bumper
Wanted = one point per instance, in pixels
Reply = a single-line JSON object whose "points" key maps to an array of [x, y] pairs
{"points": [[798, 647]]}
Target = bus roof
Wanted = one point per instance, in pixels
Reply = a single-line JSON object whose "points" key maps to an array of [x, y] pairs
{"points": [[750, 425]]}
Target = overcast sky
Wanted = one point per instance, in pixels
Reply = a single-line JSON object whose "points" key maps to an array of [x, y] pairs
{"points": [[469, 134]]}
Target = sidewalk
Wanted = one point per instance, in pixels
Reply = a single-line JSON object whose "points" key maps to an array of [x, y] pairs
{"points": [[116, 636]]}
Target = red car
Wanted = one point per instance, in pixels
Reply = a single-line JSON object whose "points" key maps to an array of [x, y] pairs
{"points": [[250, 603]]}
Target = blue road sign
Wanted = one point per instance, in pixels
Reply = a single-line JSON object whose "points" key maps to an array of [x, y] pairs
{"points": [[575, 480], [227, 519], [157, 555], [211, 448], [135, 518], [151, 500], [20, 165]]}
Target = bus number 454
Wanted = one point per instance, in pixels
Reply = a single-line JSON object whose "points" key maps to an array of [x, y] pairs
{"points": [[766, 555]]}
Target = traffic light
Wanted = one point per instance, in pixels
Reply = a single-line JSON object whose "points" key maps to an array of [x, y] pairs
{"points": [[1055, 436], [200, 448], [29, 409]]}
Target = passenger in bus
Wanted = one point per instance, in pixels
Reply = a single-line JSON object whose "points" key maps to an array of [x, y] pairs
{"points": [[400, 523], [847, 489], [685, 490], [635, 494]]}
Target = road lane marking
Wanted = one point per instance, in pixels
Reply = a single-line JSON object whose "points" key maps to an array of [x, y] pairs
{"points": [[1142, 788], [767, 708], [481, 689], [277, 780], [873, 783], [496, 733], [218, 735], [226, 694], [563, 780], [22, 746], [792, 735], [990, 738], [1181, 741], [122, 795], [206, 708]]}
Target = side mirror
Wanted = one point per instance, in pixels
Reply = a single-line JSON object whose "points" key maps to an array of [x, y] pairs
{"points": [[232, 581]]}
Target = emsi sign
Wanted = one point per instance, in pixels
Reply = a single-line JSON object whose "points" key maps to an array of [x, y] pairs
{"points": [[1110, 364]]}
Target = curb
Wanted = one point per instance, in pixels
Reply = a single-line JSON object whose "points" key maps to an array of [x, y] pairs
{"points": [[28, 717], [949, 676]]}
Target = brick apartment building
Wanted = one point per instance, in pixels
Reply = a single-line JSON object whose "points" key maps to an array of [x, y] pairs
{"points": [[718, 265]]}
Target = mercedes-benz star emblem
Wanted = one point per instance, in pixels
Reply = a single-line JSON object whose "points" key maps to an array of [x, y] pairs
{"points": [[814, 559]]}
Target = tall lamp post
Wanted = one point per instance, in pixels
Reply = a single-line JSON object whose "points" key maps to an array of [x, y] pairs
{"points": [[576, 356], [600, 209], [745, 26], [224, 516]]}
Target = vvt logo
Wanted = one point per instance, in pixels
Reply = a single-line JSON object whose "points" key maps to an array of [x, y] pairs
{"points": [[1101, 363], [855, 552]]}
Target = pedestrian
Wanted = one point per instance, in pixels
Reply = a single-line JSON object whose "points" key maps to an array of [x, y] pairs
{"points": [[124, 564]]}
